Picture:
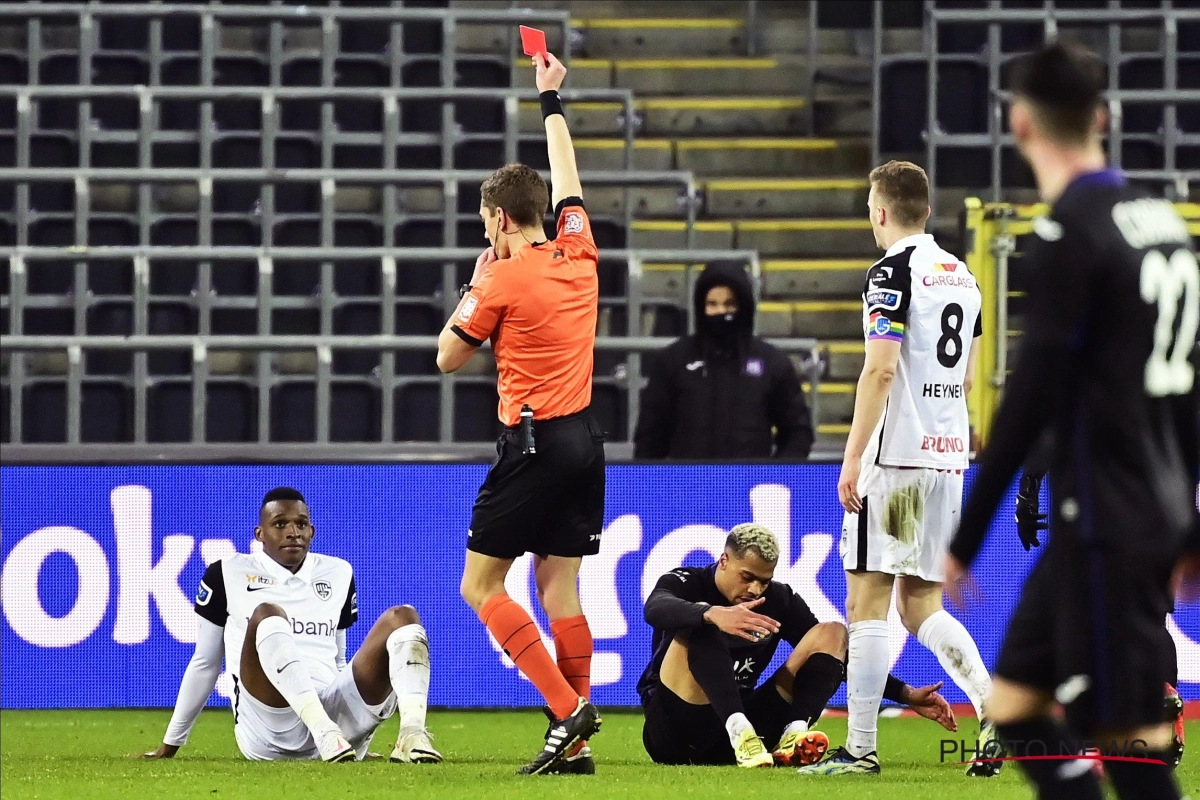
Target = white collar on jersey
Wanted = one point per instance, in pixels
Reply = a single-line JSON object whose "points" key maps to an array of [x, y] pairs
{"points": [[916, 240], [282, 574]]}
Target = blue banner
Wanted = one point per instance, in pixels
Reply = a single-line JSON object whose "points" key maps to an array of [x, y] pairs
{"points": [[100, 565]]}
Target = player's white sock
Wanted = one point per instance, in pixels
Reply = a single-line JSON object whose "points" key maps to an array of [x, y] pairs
{"points": [[956, 651], [408, 669], [282, 665], [866, 674], [735, 725]]}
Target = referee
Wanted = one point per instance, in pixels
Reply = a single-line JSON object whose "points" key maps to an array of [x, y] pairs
{"points": [[1106, 366], [537, 301]]}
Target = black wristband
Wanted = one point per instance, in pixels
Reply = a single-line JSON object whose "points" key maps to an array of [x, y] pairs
{"points": [[893, 689], [551, 104]]}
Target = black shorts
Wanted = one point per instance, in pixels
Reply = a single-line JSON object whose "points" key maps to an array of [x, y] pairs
{"points": [[550, 502], [676, 732], [1090, 628]]}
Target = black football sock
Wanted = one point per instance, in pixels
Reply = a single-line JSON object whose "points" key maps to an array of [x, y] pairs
{"points": [[1143, 781], [1046, 736], [712, 667], [815, 682]]}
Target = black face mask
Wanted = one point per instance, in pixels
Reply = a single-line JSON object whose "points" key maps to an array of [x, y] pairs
{"points": [[721, 329]]}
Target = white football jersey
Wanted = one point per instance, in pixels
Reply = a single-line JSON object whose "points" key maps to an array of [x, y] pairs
{"points": [[319, 599], [922, 296]]}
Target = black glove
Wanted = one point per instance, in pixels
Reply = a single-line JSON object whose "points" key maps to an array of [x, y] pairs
{"points": [[1030, 518]]}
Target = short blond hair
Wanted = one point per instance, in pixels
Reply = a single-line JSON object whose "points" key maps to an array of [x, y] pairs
{"points": [[905, 187], [750, 536]]}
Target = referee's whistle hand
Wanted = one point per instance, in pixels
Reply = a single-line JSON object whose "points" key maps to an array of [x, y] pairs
{"points": [[482, 263]]}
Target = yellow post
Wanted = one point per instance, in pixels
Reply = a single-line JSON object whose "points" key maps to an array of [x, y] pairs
{"points": [[982, 400]]}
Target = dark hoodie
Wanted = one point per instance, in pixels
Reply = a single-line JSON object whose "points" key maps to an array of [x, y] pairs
{"points": [[723, 393]]}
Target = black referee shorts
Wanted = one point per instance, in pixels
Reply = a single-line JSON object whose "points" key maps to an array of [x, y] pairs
{"points": [[678, 732], [551, 502], [1090, 629]]}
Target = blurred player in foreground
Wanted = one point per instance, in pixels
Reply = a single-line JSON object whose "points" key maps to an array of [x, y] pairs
{"points": [[538, 302], [278, 618], [716, 630], [1105, 365], [902, 477]]}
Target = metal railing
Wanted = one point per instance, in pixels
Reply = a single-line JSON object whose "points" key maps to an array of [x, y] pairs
{"points": [[1051, 17], [385, 377]]}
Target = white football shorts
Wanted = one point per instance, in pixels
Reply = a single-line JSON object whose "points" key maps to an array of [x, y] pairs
{"points": [[907, 521], [264, 733]]}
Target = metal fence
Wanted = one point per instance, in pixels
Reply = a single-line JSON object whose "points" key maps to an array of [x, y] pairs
{"points": [[1052, 18], [386, 378]]}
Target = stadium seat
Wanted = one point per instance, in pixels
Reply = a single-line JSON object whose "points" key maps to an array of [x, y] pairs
{"points": [[126, 69], [365, 36], [416, 413], [171, 318], [475, 412], [106, 413], [169, 412], [356, 319], [124, 33], [175, 154], [232, 412], [296, 278], [360, 232], [297, 152], [234, 321], [295, 321], [48, 322], [417, 320], [233, 197], [357, 278], [239, 232], [294, 412], [51, 150], [354, 413], [235, 277], [110, 277], [181, 32], [5, 415], [116, 113], [44, 412], [109, 319], [114, 154], [51, 277], [1142, 73], [59, 70], [13, 70]]}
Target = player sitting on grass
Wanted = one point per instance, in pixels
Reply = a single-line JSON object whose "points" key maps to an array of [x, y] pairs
{"points": [[716, 629], [279, 620]]}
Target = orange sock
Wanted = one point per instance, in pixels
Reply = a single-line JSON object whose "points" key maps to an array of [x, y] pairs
{"points": [[517, 634], [573, 644]]}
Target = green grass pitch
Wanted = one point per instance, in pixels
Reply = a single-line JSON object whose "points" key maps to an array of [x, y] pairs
{"points": [[80, 755]]}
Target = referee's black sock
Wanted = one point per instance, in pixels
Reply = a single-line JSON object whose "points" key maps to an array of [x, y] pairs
{"points": [[815, 682], [712, 667], [1143, 781], [1055, 779]]}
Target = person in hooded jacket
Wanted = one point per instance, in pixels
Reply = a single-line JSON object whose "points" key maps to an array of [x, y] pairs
{"points": [[723, 393]]}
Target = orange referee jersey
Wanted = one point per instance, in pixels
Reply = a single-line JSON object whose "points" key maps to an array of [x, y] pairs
{"points": [[539, 309]]}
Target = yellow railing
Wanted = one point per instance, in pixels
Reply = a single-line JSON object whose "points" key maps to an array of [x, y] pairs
{"points": [[991, 240]]}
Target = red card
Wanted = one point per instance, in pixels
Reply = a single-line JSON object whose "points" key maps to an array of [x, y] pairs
{"points": [[533, 40]]}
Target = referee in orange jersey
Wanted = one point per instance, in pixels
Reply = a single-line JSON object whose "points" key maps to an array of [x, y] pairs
{"points": [[537, 301]]}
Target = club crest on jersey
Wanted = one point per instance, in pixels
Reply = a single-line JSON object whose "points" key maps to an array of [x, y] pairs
{"points": [[754, 367], [259, 581], [323, 589], [573, 222]]}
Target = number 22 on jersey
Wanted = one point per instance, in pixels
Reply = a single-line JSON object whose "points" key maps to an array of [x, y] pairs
{"points": [[1166, 282]]}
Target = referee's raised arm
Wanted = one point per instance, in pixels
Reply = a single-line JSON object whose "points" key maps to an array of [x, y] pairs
{"points": [[564, 175]]}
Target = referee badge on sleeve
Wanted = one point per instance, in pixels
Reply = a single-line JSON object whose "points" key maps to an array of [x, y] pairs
{"points": [[573, 222], [469, 306]]}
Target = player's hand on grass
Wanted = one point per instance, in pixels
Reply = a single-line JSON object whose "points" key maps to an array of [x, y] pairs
{"points": [[848, 484], [550, 72], [485, 260], [741, 621], [163, 751], [930, 704], [1030, 519]]}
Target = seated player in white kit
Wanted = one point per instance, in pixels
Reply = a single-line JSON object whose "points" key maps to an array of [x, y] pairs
{"points": [[279, 620]]}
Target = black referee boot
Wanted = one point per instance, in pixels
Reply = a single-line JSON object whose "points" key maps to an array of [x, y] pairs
{"points": [[562, 737], [581, 763]]}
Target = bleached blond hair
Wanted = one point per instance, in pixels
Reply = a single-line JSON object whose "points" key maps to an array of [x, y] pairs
{"points": [[750, 536]]}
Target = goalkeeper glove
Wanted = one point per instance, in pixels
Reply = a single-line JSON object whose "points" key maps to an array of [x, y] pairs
{"points": [[1030, 518]]}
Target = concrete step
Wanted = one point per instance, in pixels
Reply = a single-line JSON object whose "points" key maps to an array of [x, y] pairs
{"points": [[842, 114], [827, 319], [778, 197], [648, 37], [835, 402], [596, 154], [681, 116], [797, 238], [801, 157], [717, 76], [845, 360], [646, 201], [618, 9], [825, 278], [807, 238]]}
